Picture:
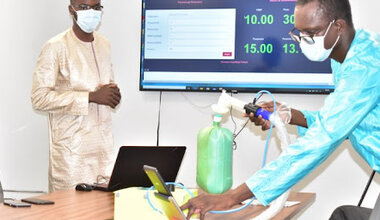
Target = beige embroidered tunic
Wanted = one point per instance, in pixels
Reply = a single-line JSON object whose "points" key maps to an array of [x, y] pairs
{"points": [[81, 142]]}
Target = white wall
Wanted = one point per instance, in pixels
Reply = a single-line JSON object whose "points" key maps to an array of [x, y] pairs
{"points": [[26, 25]]}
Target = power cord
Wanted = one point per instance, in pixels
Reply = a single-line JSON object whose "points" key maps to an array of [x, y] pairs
{"points": [[234, 143], [159, 120]]}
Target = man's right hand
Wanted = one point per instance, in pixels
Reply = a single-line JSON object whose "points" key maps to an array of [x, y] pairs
{"points": [[287, 114], [259, 121], [106, 95]]}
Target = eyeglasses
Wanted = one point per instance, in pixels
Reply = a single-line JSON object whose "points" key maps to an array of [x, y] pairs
{"points": [[88, 7], [297, 36]]}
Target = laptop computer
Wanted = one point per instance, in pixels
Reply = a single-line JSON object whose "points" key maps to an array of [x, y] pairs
{"points": [[128, 168]]}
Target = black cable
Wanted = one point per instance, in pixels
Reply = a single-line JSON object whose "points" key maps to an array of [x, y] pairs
{"points": [[366, 188], [159, 120], [237, 134], [257, 99], [241, 129]]}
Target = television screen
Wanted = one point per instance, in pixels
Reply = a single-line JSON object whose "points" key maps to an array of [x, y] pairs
{"points": [[237, 45]]}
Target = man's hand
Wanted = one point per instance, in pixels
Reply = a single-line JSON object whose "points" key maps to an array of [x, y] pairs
{"points": [[259, 121], [206, 202], [287, 114], [106, 95]]}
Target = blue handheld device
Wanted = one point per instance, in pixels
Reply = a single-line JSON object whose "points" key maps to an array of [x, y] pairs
{"points": [[257, 111]]}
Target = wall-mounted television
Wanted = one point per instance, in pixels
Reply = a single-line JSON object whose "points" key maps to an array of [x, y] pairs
{"points": [[237, 45]]}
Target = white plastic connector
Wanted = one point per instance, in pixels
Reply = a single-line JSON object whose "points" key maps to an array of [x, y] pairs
{"points": [[225, 102]]}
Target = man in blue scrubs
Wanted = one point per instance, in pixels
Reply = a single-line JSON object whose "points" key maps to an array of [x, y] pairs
{"points": [[324, 30]]}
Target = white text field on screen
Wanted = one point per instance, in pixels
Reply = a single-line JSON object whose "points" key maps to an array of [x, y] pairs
{"points": [[190, 34]]}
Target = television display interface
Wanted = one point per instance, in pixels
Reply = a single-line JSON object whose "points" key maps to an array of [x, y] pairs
{"points": [[237, 45]]}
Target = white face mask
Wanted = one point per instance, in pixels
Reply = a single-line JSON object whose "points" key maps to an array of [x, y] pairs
{"points": [[317, 51], [88, 20]]}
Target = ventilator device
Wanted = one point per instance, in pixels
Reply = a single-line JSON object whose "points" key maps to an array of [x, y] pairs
{"points": [[215, 140], [277, 118]]}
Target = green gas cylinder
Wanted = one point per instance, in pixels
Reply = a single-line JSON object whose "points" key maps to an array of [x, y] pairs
{"points": [[214, 158]]}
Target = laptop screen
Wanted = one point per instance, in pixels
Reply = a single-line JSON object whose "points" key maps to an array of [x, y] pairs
{"points": [[128, 169]]}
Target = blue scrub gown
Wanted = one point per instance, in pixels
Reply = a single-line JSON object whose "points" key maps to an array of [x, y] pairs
{"points": [[352, 111]]}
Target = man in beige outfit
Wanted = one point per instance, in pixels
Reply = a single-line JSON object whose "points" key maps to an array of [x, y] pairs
{"points": [[73, 82]]}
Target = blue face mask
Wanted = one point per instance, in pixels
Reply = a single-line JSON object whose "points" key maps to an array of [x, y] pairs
{"points": [[88, 20]]}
